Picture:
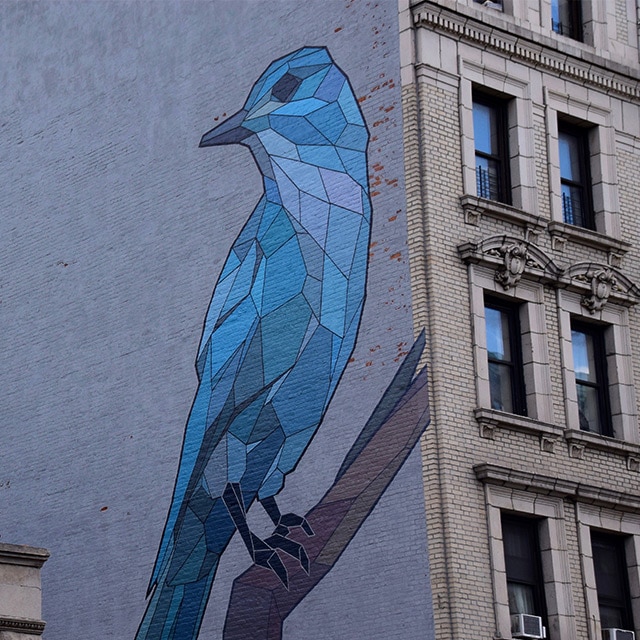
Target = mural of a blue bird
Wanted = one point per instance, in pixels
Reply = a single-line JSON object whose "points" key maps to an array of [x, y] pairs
{"points": [[280, 329]]}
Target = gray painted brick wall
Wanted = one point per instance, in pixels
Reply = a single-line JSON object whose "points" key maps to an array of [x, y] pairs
{"points": [[114, 227]]}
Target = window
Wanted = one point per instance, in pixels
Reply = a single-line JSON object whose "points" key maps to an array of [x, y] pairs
{"points": [[537, 525], [590, 368], [612, 570], [504, 354], [608, 332], [612, 580], [575, 176], [566, 18], [491, 148], [517, 316], [525, 584]]}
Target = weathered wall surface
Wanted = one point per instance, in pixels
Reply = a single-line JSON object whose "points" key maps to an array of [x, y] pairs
{"points": [[114, 229]]}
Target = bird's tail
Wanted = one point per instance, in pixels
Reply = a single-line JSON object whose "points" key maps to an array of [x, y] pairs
{"points": [[177, 604]]}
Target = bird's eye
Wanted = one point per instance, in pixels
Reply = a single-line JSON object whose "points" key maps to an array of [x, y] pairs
{"points": [[285, 87]]}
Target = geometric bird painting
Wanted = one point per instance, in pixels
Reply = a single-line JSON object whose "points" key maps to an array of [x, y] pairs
{"points": [[279, 331]]}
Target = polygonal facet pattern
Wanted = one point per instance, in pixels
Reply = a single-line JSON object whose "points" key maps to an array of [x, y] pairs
{"points": [[281, 325]]}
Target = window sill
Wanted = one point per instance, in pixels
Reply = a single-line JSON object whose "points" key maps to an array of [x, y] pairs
{"points": [[561, 232], [474, 208], [491, 419], [579, 440]]}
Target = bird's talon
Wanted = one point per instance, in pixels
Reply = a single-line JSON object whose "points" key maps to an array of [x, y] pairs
{"points": [[291, 548], [275, 564], [291, 520]]}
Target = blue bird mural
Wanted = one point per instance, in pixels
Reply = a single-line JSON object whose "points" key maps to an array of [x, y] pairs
{"points": [[279, 331]]}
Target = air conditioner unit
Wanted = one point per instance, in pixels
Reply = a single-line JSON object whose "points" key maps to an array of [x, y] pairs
{"points": [[618, 634], [524, 625]]}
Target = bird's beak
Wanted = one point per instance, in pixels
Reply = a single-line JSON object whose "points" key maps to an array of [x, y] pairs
{"points": [[230, 131]]}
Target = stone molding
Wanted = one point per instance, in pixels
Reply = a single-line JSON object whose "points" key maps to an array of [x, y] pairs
{"points": [[561, 232], [490, 420], [474, 208], [516, 423], [528, 52], [580, 440], [22, 626], [515, 258], [493, 474], [22, 555]]}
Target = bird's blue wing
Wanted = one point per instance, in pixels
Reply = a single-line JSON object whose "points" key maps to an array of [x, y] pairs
{"points": [[231, 321]]}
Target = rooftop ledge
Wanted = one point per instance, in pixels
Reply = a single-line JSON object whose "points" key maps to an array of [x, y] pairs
{"points": [[23, 555]]}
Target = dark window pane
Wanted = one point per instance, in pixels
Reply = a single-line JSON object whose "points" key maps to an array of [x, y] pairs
{"points": [[573, 211], [501, 385], [523, 567], [612, 583], [588, 408]]}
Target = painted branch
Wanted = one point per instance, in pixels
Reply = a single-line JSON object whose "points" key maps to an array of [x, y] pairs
{"points": [[259, 602]]}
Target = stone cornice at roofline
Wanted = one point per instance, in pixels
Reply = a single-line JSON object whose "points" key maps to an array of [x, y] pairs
{"points": [[22, 555], [526, 50]]}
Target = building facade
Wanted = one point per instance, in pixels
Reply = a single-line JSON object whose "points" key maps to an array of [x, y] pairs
{"points": [[522, 151], [502, 175]]}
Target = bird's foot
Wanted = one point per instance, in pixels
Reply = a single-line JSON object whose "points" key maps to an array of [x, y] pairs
{"points": [[284, 523], [279, 539], [265, 555], [291, 548], [290, 521]]}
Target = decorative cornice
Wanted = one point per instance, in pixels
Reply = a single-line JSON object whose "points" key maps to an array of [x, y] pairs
{"points": [[498, 251], [22, 555], [603, 282], [490, 420], [589, 440], [538, 483], [561, 232], [528, 52], [474, 208], [514, 258], [22, 626]]}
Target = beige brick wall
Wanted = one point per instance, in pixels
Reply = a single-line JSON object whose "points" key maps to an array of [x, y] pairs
{"points": [[461, 574]]}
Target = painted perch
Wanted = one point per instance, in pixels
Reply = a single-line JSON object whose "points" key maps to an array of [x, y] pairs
{"points": [[259, 602]]}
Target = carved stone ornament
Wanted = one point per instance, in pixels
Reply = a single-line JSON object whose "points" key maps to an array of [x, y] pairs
{"points": [[576, 450], [633, 463], [602, 283], [548, 443], [515, 259]]}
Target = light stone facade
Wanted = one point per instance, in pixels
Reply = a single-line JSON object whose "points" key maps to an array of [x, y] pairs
{"points": [[21, 592], [480, 462]]}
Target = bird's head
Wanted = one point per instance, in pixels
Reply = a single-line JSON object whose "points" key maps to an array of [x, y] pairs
{"points": [[301, 99]]}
